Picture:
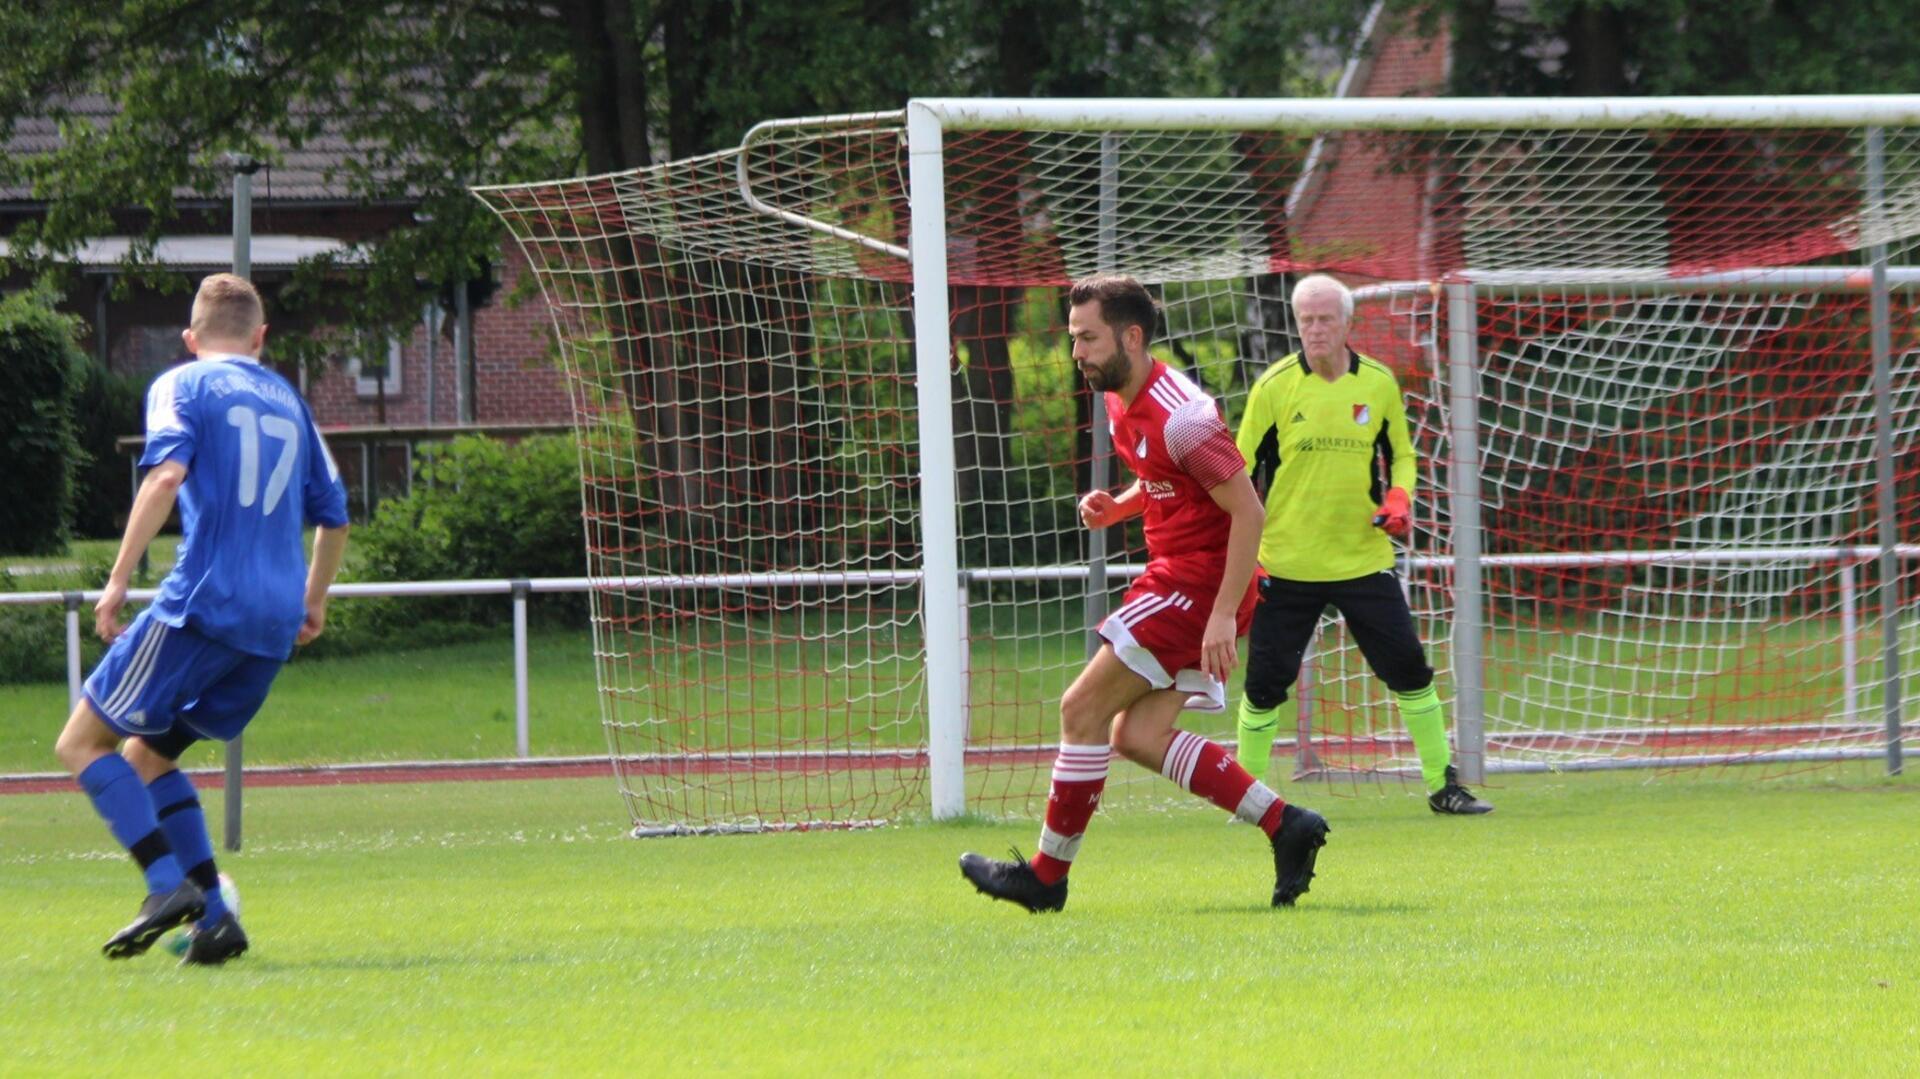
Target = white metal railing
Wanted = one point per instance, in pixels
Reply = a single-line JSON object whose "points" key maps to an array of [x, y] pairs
{"points": [[519, 588], [950, 752]]}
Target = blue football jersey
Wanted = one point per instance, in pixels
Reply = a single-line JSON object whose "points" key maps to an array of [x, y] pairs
{"points": [[257, 473]]}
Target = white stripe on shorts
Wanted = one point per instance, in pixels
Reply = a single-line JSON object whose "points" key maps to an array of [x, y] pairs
{"points": [[139, 672], [1135, 613], [1127, 609]]}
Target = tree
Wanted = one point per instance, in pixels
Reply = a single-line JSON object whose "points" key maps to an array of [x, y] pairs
{"points": [[439, 97], [434, 101], [40, 372], [1591, 47]]}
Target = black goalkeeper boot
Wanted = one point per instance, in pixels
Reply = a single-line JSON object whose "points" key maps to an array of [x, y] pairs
{"points": [[1455, 799], [1014, 882], [1296, 845], [161, 912]]}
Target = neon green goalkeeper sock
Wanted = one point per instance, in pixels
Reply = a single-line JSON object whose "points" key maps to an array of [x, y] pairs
{"points": [[1426, 720], [1255, 746]]}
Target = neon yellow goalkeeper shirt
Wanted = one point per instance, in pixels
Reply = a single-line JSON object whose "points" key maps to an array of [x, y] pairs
{"points": [[1328, 451]]}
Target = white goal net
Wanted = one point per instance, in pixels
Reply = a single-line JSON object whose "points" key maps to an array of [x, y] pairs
{"points": [[1639, 348]]}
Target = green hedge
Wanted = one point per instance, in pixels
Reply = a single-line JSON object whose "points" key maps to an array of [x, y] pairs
{"points": [[33, 643], [40, 371], [480, 508]]}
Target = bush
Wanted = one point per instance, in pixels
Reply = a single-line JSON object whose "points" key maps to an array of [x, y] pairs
{"points": [[40, 366], [107, 406], [33, 643], [480, 508]]}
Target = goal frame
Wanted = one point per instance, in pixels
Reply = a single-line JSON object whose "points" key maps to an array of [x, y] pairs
{"points": [[927, 120]]}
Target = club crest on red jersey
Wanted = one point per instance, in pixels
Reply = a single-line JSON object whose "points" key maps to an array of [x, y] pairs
{"points": [[1362, 415]]}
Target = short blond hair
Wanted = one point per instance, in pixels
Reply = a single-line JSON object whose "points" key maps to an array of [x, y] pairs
{"points": [[227, 308]]}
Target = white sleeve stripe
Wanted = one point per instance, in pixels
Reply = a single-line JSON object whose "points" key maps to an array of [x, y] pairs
{"points": [[163, 405], [333, 470], [1186, 387], [1169, 397]]}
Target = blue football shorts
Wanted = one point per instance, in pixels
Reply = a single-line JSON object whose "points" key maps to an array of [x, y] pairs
{"points": [[156, 676]]}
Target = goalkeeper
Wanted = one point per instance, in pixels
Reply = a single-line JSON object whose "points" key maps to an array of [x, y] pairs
{"points": [[1327, 429]]}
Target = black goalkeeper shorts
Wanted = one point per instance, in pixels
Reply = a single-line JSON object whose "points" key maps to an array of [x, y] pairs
{"points": [[1376, 614]]}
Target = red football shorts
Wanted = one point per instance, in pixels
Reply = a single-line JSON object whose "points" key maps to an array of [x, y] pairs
{"points": [[1157, 632]]}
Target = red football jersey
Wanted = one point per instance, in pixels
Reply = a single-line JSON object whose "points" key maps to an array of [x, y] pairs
{"points": [[1175, 440]]}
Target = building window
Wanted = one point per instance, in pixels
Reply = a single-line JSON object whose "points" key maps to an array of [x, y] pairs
{"points": [[367, 376], [145, 351]]}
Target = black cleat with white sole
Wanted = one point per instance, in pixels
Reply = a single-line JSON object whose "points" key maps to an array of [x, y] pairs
{"points": [[1014, 882], [161, 912], [1453, 799], [1296, 845]]}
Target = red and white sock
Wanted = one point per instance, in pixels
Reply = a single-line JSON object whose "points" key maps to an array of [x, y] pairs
{"points": [[1208, 770], [1079, 775]]}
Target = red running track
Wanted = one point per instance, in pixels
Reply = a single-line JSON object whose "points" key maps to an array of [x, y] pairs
{"points": [[343, 775], [1355, 752]]}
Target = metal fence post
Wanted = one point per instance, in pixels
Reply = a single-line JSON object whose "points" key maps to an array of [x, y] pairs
{"points": [[521, 586], [73, 650], [230, 796]]}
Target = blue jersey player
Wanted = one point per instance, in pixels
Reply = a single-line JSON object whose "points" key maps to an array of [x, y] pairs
{"points": [[235, 445]]}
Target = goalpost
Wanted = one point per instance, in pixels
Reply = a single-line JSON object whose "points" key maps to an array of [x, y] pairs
{"points": [[1663, 373]]}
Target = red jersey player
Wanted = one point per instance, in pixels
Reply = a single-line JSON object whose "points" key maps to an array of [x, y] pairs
{"points": [[1173, 638]]}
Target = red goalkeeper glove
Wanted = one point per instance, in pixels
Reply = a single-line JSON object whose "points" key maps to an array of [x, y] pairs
{"points": [[1396, 513]]}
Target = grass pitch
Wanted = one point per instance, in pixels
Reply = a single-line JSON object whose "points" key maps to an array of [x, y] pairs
{"points": [[1593, 924]]}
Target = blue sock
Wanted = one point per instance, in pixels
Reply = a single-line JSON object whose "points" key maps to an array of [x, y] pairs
{"points": [[122, 802], [178, 806]]}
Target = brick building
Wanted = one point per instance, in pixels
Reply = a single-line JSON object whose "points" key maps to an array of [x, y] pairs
{"points": [[513, 382], [300, 211]]}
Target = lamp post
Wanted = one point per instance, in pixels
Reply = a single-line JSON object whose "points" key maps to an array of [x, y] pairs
{"points": [[243, 169]]}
